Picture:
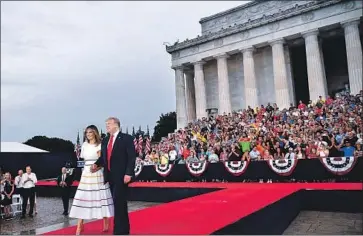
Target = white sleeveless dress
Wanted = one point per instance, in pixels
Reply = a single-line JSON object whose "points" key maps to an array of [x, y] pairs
{"points": [[93, 199]]}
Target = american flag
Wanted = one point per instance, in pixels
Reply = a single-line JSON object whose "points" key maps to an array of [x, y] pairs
{"points": [[135, 139], [148, 141], [140, 143], [77, 147], [148, 145], [135, 143]]}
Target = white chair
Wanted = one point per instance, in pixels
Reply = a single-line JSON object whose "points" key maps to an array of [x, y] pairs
{"points": [[1, 207], [17, 204], [12, 208]]}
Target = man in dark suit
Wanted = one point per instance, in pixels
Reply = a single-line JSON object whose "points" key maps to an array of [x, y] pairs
{"points": [[118, 158], [64, 181]]}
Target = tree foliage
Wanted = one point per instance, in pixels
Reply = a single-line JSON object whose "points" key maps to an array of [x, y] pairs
{"points": [[140, 132], [165, 125], [55, 145]]}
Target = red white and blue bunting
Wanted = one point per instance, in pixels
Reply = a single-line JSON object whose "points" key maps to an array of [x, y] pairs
{"points": [[236, 168], [197, 168], [339, 165], [164, 170], [138, 167], [283, 167]]}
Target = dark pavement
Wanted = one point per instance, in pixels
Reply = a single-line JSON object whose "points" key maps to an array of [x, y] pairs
{"points": [[49, 218], [326, 223]]}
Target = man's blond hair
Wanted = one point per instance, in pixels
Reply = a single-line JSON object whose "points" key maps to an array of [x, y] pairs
{"points": [[114, 119]]}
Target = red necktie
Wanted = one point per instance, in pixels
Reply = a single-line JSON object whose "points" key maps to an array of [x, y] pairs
{"points": [[109, 151]]}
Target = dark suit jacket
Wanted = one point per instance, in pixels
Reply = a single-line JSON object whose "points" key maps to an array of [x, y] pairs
{"points": [[68, 180], [123, 158]]}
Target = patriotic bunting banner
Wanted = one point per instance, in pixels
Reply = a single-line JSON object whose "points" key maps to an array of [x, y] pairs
{"points": [[339, 165], [138, 166], [197, 168], [284, 167], [236, 168], [164, 170]]}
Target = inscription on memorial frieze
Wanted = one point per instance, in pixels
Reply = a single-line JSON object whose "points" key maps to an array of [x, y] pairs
{"points": [[287, 20], [218, 42], [250, 13], [307, 16]]}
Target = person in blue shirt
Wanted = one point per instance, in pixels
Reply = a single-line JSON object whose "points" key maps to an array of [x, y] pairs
{"points": [[347, 149], [340, 137]]}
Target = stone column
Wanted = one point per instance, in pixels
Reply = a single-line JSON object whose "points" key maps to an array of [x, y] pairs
{"points": [[315, 67], [323, 63], [280, 74], [190, 93], [354, 55], [181, 108], [250, 78], [200, 96], [223, 85]]}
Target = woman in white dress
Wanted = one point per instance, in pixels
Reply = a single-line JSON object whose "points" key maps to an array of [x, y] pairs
{"points": [[93, 199]]}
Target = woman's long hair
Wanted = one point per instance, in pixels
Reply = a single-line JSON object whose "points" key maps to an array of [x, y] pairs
{"points": [[94, 129]]}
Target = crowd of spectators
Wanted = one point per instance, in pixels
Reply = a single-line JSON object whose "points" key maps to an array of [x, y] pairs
{"points": [[330, 127]]}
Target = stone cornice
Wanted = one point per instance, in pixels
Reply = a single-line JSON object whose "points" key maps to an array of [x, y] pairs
{"points": [[314, 32], [265, 19], [247, 50], [198, 62], [179, 67], [277, 41], [221, 55], [350, 22], [229, 11]]}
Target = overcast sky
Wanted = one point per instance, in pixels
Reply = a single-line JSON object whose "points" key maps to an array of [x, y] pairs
{"points": [[65, 65]]}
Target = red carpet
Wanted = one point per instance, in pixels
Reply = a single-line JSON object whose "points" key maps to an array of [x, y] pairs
{"points": [[323, 186], [197, 215], [53, 183]]}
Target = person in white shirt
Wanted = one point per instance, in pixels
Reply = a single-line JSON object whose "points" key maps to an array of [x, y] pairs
{"points": [[290, 154], [172, 155], [213, 158], [28, 180], [255, 154], [18, 183]]}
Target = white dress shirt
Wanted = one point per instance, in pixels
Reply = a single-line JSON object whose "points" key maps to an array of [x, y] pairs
{"points": [[114, 137], [18, 183], [31, 183]]}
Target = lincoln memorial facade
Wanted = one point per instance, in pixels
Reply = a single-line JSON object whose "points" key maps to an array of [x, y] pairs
{"points": [[268, 51]]}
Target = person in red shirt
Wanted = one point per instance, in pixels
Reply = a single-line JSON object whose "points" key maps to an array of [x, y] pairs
{"points": [[186, 152], [318, 111], [301, 105], [328, 101]]}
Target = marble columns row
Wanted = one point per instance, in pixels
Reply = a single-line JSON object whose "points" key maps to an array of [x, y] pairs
{"points": [[191, 100], [181, 105], [354, 55], [315, 68], [191, 95], [315, 63]]}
